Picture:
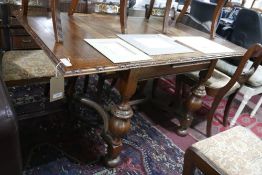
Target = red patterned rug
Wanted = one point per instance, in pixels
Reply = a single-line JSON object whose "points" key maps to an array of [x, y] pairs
{"points": [[62, 145], [198, 128], [254, 124]]}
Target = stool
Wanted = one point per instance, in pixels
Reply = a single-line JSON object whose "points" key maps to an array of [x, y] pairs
{"points": [[26, 66], [233, 152]]}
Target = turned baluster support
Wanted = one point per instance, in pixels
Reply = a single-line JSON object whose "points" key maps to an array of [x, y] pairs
{"points": [[194, 102], [191, 105], [119, 122]]}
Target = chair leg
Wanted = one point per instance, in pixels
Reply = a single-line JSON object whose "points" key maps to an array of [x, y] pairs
{"points": [[253, 113], [24, 7], [100, 85], [178, 91], [113, 83], [72, 7], [189, 166], [150, 8], [166, 16], [210, 115], [227, 108], [239, 110], [86, 82], [183, 12], [154, 87], [123, 16], [56, 19], [70, 88]]}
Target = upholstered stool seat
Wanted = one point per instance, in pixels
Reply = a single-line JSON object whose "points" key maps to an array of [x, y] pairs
{"points": [[232, 152], [217, 80], [26, 64]]}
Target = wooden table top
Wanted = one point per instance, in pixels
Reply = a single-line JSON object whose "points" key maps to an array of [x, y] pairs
{"points": [[87, 60]]}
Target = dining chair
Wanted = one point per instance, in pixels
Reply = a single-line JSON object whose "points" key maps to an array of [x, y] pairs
{"points": [[203, 16], [10, 159], [123, 13], [234, 151], [220, 85], [200, 13], [245, 37], [166, 14], [247, 28], [56, 20], [231, 3]]}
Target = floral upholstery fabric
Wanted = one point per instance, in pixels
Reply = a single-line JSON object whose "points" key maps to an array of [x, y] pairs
{"points": [[26, 64], [217, 80], [236, 151]]}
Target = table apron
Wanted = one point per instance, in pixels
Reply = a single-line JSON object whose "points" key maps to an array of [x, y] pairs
{"points": [[158, 71]]}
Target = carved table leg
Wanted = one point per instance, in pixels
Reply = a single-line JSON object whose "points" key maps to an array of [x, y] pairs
{"points": [[194, 102], [191, 105], [119, 122], [123, 16]]}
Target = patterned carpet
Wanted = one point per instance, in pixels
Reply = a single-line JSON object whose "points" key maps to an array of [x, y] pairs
{"points": [[146, 151], [254, 124], [60, 145], [198, 128]]}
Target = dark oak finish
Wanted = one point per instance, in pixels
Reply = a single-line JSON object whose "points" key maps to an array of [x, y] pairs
{"points": [[87, 60]]}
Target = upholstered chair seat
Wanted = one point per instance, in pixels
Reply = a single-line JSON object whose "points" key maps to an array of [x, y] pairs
{"points": [[216, 81], [232, 152], [26, 64], [255, 80]]}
